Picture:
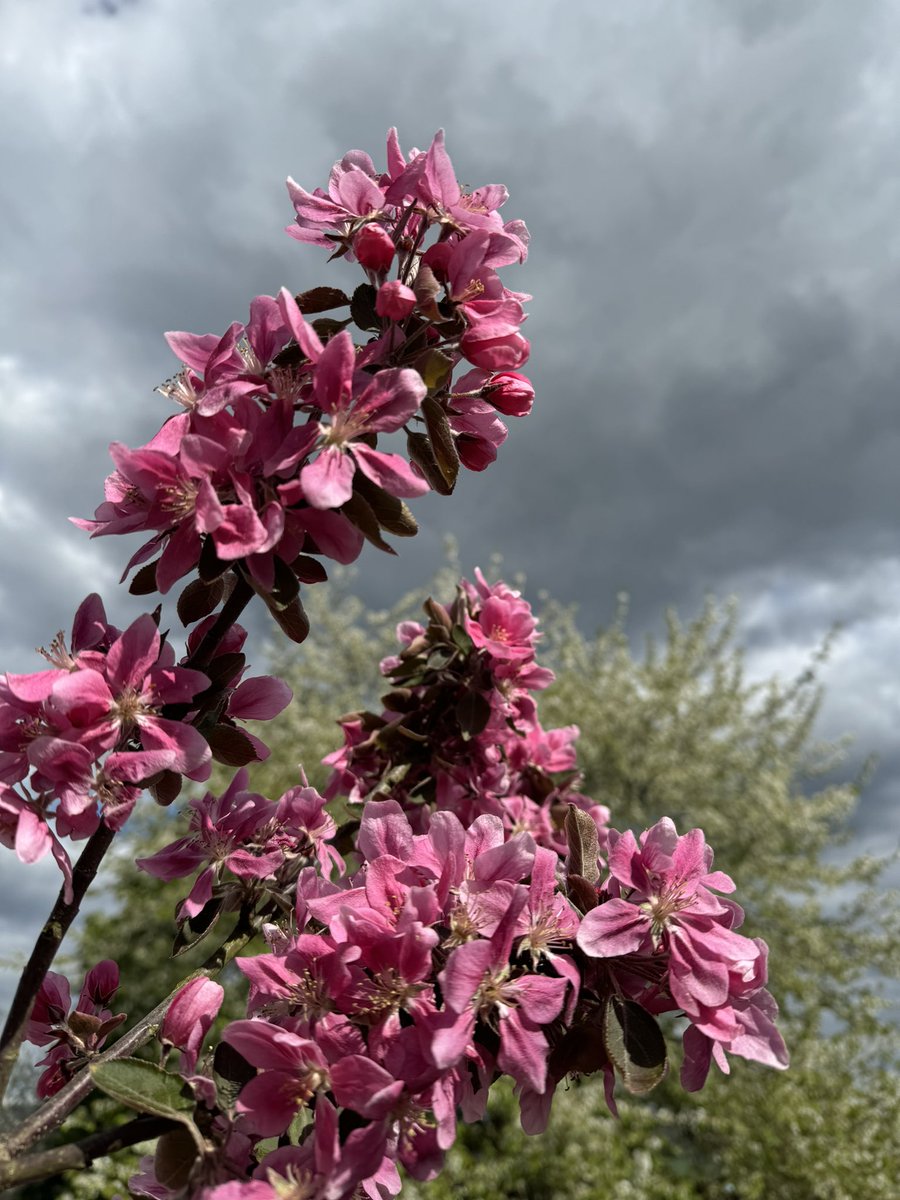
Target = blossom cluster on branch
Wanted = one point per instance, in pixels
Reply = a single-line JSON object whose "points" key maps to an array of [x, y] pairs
{"points": [[479, 917]]}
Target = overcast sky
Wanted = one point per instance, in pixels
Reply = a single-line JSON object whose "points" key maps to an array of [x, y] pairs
{"points": [[713, 191]]}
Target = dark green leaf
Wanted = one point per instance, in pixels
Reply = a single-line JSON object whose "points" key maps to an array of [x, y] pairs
{"points": [[391, 513], [144, 1087], [419, 449], [442, 444], [635, 1045], [192, 931], [327, 327], [210, 566], [360, 512], [286, 586]]}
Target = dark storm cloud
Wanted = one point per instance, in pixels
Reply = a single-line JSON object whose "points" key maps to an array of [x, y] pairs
{"points": [[712, 191]]}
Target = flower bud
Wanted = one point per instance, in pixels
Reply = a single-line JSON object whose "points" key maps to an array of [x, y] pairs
{"points": [[395, 300], [511, 393], [374, 248], [189, 1017]]}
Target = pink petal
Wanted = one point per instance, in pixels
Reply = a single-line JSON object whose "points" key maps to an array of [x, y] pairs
{"points": [[613, 928], [259, 699], [328, 482], [389, 471]]}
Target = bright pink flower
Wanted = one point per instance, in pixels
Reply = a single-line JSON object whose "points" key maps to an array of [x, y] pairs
{"points": [[385, 403]]}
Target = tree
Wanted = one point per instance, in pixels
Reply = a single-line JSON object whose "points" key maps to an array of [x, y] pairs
{"points": [[677, 729]]}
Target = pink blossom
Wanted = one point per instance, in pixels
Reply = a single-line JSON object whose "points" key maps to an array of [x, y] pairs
{"points": [[395, 300], [189, 1017]]}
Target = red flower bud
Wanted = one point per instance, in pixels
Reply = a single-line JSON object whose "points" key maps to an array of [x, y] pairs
{"points": [[374, 248], [510, 393]]}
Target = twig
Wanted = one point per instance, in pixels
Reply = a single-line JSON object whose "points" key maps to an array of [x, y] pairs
{"points": [[79, 1155]]}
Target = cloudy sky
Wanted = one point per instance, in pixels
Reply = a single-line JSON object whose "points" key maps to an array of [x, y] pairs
{"points": [[712, 189]]}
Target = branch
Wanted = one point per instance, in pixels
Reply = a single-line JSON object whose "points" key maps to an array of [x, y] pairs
{"points": [[52, 1114], [78, 1156], [45, 948], [240, 597]]}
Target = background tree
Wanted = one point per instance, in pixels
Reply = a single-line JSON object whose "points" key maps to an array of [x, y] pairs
{"points": [[676, 729]]}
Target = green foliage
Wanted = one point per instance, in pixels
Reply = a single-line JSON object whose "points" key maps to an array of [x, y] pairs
{"points": [[677, 730]]}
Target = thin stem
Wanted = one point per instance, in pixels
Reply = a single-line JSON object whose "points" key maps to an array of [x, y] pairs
{"points": [[45, 948], [240, 597], [77, 1156]]}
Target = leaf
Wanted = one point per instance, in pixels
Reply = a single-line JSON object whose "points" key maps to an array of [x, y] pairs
{"points": [[199, 599], [174, 1158], [144, 580], [582, 894], [473, 712], [362, 307], [419, 449], [360, 513], [292, 620], [321, 299], [390, 511], [635, 1045], [308, 570], [144, 1087], [231, 746], [462, 639], [286, 586], [327, 327], [192, 931], [443, 446], [210, 566], [167, 788], [224, 667], [584, 845], [435, 367]]}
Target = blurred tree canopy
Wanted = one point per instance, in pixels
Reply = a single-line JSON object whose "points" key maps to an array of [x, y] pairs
{"points": [[674, 730]]}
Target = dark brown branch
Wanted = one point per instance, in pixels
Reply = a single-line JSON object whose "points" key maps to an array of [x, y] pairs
{"points": [[55, 929], [52, 1114], [79, 1155]]}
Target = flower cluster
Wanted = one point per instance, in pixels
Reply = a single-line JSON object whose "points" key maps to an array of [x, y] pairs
{"points": [[112, 714], [460, 729], [275, 460], [465, 945], [251, 851], [77, 1035]]}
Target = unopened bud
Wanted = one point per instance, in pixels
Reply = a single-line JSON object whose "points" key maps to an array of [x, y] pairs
{"points": [[510, 393], [374, 248], [395, 300]]}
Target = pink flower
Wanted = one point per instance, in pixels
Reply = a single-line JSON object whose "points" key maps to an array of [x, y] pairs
{"points": [[384, 405]]}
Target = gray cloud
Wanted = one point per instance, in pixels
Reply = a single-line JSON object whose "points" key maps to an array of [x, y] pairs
{"points": [[712, 192]]}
